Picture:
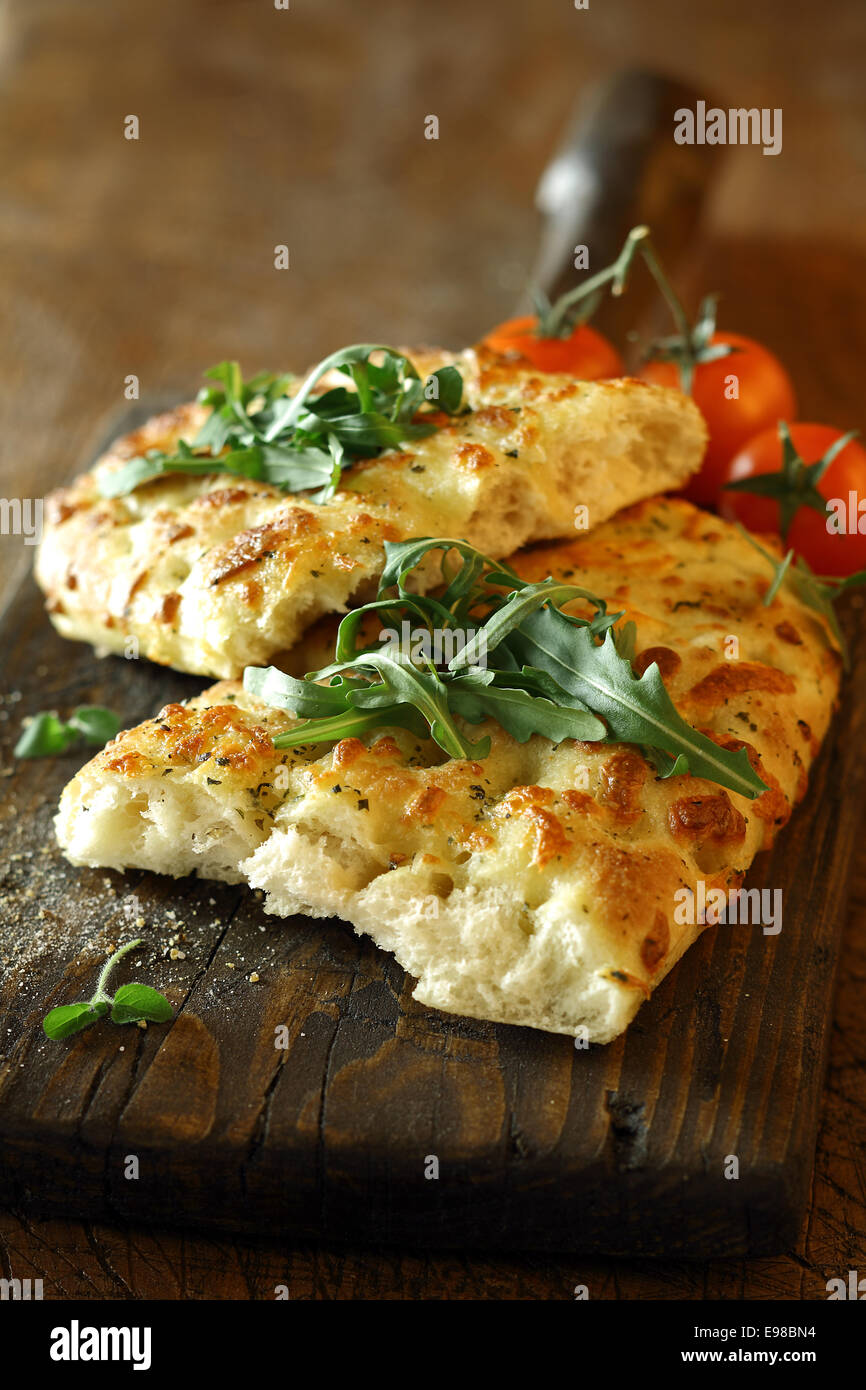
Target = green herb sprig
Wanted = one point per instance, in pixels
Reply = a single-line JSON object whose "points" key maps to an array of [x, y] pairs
{"points": [[46, 735], [130, 1004], [302, 442], [547, 672]]}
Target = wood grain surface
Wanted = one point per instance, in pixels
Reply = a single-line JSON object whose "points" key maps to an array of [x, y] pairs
{"points": [[148, 259]]}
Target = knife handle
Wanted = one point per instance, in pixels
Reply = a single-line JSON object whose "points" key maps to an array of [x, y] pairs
{"points": [[618, 166]]}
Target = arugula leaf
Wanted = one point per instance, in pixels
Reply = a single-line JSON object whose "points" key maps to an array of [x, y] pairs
{"points": [[551, 674], [522, 714], [346, 707], [403, 683], [514, 612], [819, 593], [288, 411], [431, 612], [303, 698], [841, 585], [248, 463], [302, 443], [351, 723], [635, 709], [625, 638], [401, 557], [664, 763], [449, 389]]}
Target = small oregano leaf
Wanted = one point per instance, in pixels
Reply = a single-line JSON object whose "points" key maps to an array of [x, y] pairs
{"points": [[134, 1001], [46, 736], [130, 1004], [96, 725], [67, 1019]]}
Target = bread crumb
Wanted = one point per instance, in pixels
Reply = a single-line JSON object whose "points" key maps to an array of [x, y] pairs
{"points": [[254, 977]]}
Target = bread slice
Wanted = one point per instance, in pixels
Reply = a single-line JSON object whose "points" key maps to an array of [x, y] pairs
{"points": [[537, 886], [210, 574]]}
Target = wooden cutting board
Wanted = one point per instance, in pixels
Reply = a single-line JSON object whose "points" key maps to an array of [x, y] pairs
{"points": [[621, 1149]]}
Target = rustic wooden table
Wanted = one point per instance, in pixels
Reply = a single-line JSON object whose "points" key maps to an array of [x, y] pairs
{"points": [[305, 127]]}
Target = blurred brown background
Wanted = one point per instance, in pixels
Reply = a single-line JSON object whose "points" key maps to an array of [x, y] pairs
{"points": [[261, 126]]}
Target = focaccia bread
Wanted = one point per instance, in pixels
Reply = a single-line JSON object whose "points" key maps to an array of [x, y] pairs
{"points": [[213, 573], [539, 885]]}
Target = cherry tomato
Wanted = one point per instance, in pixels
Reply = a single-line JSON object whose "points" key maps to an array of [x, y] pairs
{"points": [[585, 353], [827, 552], [766, 395]]}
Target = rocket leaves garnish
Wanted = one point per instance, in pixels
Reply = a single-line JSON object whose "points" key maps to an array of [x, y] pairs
{"points": [[520, 660], [302, 442], [635, 709]]}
